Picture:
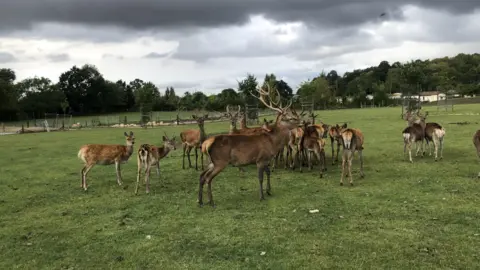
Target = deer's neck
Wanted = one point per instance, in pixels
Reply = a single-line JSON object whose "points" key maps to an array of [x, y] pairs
{"points": [[243, 123], [233, 128], [163, 151], [129, 151], [203, 135], [280, 135]]}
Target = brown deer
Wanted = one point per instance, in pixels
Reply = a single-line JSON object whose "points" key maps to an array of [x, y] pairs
{"points": [[476, 143], [193, 139], [413, 133], [150, 155], [241, 150], [334, 134], [435, 133], [352, 140], [233, 116], [105, 154], [312, 144]]}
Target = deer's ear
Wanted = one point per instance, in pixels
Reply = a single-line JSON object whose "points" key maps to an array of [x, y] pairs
{"points": [[164, 138], [337, 126], [131, 133], [125, 133], [194, 116], [344, 125]]}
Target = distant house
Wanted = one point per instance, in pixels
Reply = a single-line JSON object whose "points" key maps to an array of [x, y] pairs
{"points": [[396, 96], [428, 96]]}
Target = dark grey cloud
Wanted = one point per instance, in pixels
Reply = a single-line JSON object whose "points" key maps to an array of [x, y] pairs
{"points": [[58, 57], [155, 14], [6, 57]]}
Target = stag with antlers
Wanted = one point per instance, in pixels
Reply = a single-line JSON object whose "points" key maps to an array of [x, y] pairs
{"points": [[193, 139], [241, 150]]}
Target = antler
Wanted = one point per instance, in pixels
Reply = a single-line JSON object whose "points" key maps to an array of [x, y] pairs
{"points": [[276, 106], [166, 134]]}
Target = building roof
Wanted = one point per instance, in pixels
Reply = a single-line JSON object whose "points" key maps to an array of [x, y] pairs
{"points": [[429, 93]]}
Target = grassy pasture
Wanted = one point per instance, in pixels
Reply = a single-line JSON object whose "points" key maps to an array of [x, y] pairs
{"points": [[401, 216]]}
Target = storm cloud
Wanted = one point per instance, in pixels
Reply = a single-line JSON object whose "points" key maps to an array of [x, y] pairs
{"points": [[154, 14], [199, 44]]}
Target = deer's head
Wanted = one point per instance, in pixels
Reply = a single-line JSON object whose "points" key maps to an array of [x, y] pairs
{"points": [[130, 138], [169, 143]]}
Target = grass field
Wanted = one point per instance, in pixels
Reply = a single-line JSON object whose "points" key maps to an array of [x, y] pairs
{"points": [[423, 215]]}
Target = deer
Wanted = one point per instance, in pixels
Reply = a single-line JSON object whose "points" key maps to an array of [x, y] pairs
{"points": [[435, 133], [242, 150], [105, 154], [233, 116], [150, 155], [193, 139], [352, 140], [333, 133], [413, 133], [312, 143], [476, 143]]}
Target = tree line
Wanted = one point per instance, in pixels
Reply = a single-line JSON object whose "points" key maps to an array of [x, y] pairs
{"points": [[84, 90]]}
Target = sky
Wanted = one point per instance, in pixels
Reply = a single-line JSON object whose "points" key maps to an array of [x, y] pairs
{"points": [[209, 45]]}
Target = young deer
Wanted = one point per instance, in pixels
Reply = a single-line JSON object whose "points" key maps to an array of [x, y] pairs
{"points": [[150, 155], [105, 154], [241, 150], [413, 133], [334, 134], [193, 139], [435, 133], [476, 143], [352, 140], [312, 144]]}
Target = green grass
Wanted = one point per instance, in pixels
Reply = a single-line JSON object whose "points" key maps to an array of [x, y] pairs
{"points": [[401, 216]]}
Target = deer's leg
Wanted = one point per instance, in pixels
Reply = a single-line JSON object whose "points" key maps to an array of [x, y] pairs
{"points": [[147, 178], [409, 147], [85, 171], [288, 157], [158, 168], [261, 169], [201, 157], [189, 149], [310, 156], [333, 150], [139, 169], [436, 144], [317, 153], [267, 171], [441, 148], [209, 178], [350, 157], [119, 175], [303, 159], [338, 150], [201, 183], [324, 159], [343, 168], [360, 156], [196, 158], [183, 157]]}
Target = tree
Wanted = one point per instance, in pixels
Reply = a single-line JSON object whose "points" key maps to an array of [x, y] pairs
{"points": [[247, 87]]}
